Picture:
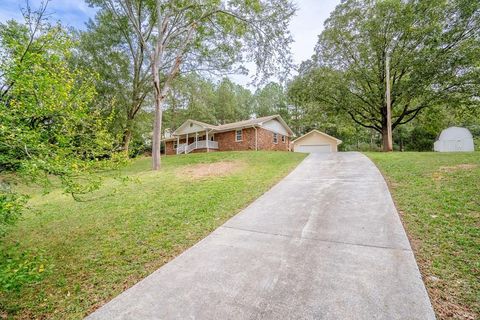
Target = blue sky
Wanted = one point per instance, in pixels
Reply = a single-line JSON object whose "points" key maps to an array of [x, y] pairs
{"points": [[305, 26], [70, 12]]}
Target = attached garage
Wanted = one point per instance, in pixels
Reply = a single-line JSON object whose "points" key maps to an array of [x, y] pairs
{"points": [[316, 142]]}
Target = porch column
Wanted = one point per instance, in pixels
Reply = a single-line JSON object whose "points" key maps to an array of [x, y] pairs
{"points": [[196, 140], [186, 141], [206, 133], [178, 144]]}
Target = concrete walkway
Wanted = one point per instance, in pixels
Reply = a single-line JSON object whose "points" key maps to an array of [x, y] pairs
{"points": [[324, 243]]}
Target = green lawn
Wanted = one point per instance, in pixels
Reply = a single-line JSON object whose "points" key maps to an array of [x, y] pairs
{"points": [[438, 196], [81, 254]]}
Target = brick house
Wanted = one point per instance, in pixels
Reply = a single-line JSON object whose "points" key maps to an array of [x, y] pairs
{"points": [[265, 133]]}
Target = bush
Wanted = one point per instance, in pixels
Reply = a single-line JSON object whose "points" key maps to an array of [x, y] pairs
{"points": [[419, 139], [11, 205], [361, 146]]}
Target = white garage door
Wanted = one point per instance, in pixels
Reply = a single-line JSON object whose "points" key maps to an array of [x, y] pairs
{"points": [[313, 148]]}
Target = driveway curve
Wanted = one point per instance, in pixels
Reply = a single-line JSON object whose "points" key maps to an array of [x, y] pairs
{"points": [[324, 243]]}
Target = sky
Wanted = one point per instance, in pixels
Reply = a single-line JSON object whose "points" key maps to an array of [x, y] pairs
{"points": [[305, 26]]}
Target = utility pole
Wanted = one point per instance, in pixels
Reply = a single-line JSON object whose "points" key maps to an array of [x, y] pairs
{"points": [[389, 143]]}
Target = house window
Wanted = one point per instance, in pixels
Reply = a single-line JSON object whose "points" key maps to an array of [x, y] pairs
{"points": [[283, 139], [238, 135], [275, 138], [175, 145]]}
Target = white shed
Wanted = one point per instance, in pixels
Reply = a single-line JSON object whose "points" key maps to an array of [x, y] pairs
{"points": [[454, 139], [316, 141]]}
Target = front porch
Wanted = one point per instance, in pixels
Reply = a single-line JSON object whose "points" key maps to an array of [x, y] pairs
{"points": [[197, 141], [193, 136], [204, 145]]}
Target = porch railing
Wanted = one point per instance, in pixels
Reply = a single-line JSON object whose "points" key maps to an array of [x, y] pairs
{"points": [[202, 144]]}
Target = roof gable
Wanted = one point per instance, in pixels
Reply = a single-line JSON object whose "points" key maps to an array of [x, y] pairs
{"points": [[315, 131], [191, 126]]}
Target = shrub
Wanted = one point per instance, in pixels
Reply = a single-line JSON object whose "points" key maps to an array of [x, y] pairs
{"points": [[11, 205]]}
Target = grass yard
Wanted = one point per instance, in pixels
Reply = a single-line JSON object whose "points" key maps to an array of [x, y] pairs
{"points": [[438, 196], [79, 255]]}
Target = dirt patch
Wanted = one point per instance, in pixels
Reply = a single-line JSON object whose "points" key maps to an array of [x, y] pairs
{"points": [[215, 169], [464, 166], [438, 175]]}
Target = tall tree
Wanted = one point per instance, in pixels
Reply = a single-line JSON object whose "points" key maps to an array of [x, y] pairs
{"points": [[195, 97], [272, 99], [207, 35], [111, 48], [433, 46], [191, 97]]}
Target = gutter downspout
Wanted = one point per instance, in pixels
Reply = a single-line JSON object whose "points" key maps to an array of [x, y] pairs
{"points": [[256, 138]]}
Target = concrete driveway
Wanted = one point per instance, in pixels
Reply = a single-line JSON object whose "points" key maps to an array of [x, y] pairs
{"points": [[324, 243]]}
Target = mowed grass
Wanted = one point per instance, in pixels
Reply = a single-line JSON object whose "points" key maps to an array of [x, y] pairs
{"points": [[94, 250], [438, 196]]}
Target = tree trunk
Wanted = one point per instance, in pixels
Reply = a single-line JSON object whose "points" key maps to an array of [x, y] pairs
{"points": [[127, 137], [387, 130], [127, 134], [386, 139], [157, 129], [157, 126]]}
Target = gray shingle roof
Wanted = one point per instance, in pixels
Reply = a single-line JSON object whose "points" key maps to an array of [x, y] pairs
{"points": [[244, 123], [236, 125]]}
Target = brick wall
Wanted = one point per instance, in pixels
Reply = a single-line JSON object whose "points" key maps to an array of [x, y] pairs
{"points": [[265, 141], [226, 141]]}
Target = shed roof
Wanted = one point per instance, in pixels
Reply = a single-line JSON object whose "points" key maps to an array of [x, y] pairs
{"points": [[455, 133]]}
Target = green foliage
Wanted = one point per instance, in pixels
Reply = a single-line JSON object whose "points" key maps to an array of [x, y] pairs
{"points": [[11, 205], [310, 111], [232, 102], [47, 127], [199, 98], [271, 99], [44, 113], [110, 48], [195, 97], [421, 133], [419, 139], [18, 269]]}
